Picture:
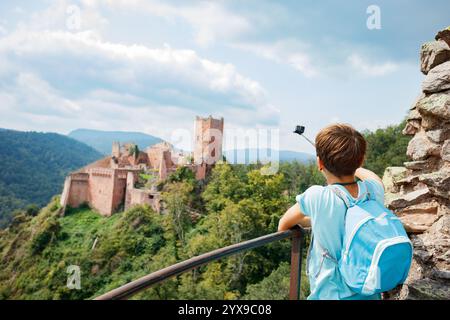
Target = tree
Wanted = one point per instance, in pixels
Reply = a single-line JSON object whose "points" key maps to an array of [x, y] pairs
{"points": [[386, 148], [177, 198], [275, 286], [134, 151], [182, 174], [300, 176]]}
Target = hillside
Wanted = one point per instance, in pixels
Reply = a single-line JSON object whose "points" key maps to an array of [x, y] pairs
{"points": [[34, 166], [35, 251], [102, 140]]}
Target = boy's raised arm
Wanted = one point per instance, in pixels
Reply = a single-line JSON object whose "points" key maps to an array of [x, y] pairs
{"points": [[292, 217], [365, 174]]}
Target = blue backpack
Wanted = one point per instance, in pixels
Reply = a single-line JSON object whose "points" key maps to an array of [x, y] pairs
{"points": [[376, 251]]}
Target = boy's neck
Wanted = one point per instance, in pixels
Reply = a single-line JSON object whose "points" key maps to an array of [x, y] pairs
{"points": [[333, 179]]}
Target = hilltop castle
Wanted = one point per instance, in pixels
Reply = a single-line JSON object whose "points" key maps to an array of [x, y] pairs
{"points": [[128, 177]]}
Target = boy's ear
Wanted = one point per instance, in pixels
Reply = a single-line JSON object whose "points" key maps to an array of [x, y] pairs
{"points": [[319, 164]]}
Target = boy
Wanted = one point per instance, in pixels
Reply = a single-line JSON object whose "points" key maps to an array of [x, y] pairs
{"points": [[340, 154]]}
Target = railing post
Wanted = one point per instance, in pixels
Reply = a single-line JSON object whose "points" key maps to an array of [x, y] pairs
{"points": [[296, 263]]}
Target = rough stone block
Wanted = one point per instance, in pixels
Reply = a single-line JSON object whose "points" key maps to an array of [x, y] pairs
{"points": [[426, 289], [412, 127], [438, 79], [438, 179], [420, 147], [422, 165], [418, 222], [432, 54], [438, 135], [445, 151], [437, 105], [444, 35], [430, 207], [404, 200]]}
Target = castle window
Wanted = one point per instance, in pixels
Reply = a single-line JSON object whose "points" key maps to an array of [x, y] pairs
{"points": [[150, 196]]}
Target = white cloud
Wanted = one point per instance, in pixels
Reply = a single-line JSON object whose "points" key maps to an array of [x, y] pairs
{"points": [[288, 51], [209, 20], [366, 68], [61, 80], [36, 96]]}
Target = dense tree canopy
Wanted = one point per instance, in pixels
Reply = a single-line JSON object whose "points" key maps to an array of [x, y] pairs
{"points": [[234, 204], [34, 166], [113, 251], [386, 148]]}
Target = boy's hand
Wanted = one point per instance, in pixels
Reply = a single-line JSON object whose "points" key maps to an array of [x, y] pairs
{"points": [[293, 217]]}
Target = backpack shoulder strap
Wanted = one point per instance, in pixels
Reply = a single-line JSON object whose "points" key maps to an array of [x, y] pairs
{"points": [[369, 193], [338, 192], [341, 194]]}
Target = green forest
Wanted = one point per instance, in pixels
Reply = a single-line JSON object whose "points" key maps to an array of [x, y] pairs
{"points": [[234, 204], [33, 168]]}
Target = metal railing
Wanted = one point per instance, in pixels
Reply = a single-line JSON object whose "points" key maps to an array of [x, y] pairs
{"points": [[297, 243]]}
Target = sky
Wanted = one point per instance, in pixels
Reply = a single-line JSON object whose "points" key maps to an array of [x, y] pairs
{"points": [[152, 66]]}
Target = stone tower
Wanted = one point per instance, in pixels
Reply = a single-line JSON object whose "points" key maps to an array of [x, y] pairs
{"points": [[419, 192], [208, 140], [116, 149]]}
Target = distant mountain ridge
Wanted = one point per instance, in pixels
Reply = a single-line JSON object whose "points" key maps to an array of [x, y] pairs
{"points": [[34, 166], [247, 156], [102, 140]]}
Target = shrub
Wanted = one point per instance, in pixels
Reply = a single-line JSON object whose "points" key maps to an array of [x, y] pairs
{"points": [[50, 231]]}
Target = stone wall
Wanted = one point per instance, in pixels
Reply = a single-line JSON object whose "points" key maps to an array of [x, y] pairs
{"points": [[101, 186], [76, 190], [119, 189], [79, 193], [419, 192], [136, 196]]}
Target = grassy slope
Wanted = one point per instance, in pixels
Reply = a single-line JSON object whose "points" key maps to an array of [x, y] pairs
{"points": [[127, 244]]}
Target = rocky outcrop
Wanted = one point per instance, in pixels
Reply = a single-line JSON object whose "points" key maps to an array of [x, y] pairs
{"points": [[419, 192]]}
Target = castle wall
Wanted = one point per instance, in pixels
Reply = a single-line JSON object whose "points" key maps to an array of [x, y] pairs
{"points": [[200, 172], [63, 201], [137, 196], [101, 185], [119, 187], [155, 153], [76, 190], [79, 193], [129, 186]]}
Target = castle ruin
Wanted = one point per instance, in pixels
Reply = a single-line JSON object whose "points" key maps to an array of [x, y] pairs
{"points": [[128, 177]]}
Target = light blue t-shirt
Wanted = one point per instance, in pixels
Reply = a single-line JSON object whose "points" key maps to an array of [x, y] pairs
{"points": [[327, 212]]}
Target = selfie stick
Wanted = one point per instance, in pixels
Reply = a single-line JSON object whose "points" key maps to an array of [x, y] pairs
{"points": [[300, 130]]}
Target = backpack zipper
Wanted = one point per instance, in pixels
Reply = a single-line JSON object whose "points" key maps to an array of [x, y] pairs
{"points": [[325, 254]]}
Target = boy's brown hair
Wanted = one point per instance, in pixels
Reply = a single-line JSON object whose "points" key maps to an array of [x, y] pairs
{"points": [[341, 148]]}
